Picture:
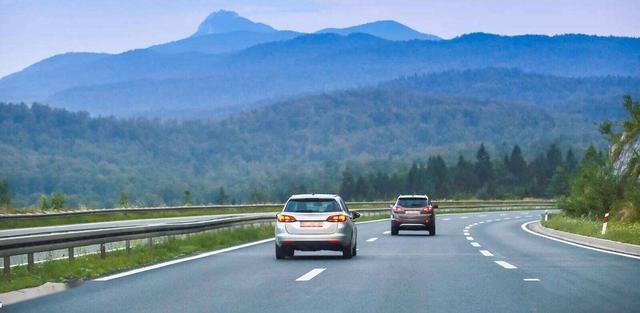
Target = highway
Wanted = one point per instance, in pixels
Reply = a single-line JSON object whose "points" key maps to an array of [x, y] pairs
{"points": [[478, 262]]}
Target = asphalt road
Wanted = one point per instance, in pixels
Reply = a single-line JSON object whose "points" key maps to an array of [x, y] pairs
{"points": [[499, 268]]}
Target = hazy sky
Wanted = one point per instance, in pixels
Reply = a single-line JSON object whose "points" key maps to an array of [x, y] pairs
{"points": [[31, 30]]}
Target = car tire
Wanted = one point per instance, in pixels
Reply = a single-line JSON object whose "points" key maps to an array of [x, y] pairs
{"points": [[394, 230], [347, 252], [282, 252], [432, 230], [355, 250]]}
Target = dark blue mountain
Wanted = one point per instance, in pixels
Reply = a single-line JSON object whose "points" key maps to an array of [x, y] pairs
{"points": [[390, 30], [226, 72]]}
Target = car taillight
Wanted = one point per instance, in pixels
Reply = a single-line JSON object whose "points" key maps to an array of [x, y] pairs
{"points": [[428, 209], [337, 218], [398, 209], [286, 218]]}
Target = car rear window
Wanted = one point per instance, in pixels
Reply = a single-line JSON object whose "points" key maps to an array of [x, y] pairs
{"points": [[413, 202], [312, 206]]}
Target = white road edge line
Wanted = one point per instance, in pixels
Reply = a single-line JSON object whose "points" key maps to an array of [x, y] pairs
{"points": [[506, 265], [372, 239], [311, 274], [524, 227], [195, 257], [486, 253], [531, 279], [475, 244]]}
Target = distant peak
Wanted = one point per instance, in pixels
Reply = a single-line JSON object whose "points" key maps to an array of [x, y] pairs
{"points": [[386, 29], [224, 21]]}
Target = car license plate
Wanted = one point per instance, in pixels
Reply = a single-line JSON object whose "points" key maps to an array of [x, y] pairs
{"points": [[413, 212], [310, 224]]}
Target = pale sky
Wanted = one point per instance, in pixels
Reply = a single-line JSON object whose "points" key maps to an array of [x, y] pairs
{"points": [[31, 30]]}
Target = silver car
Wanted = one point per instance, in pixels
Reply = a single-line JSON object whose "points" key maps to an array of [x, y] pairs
{"points": [[313, 222]]}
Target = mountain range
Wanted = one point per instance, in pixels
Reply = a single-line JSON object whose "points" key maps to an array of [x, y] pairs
{"points": [[232, 64]]}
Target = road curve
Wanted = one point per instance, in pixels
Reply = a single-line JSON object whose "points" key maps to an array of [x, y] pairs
{"points": [[491, 266]]}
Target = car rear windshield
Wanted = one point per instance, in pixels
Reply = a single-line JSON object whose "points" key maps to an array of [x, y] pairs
{"points": [[413, 202], [312, 206]]}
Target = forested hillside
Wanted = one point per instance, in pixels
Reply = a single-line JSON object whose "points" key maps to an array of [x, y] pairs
{"points": [[304, 141]]}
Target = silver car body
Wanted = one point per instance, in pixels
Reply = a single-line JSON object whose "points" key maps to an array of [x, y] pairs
{"points": [[322, 234]]}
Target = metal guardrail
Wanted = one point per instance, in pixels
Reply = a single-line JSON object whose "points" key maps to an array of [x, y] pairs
{"points": [[44, 242], [442, 203]]}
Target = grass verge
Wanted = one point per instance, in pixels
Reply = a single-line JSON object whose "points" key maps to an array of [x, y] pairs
{"points": [[616, 230], [92, 266]]}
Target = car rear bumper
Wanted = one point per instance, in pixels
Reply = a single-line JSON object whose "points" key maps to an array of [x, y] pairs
{"points": [[420, 222], [334, 241]]}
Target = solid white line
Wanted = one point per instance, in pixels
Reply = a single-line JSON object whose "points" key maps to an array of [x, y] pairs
{"points": [[199, 256], [505, 265], [503, 214], [372, 239], [475, 244], [386, 232], [446, 219], [531, 279], [524, 227], [486, 253], [311, 274], [469, 238], [463, 217], [482, 215]]}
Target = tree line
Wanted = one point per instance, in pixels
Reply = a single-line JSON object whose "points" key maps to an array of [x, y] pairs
{"points": [[482, 177]]}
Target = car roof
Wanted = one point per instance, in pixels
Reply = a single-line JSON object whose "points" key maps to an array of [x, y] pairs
{"points": [[315, 196], [413, 196]]}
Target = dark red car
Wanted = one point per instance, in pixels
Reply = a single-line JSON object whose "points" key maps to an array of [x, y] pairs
{"points": [[413, 212]]}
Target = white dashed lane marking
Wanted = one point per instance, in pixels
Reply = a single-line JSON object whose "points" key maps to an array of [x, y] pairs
{"points": [[486, 253], [311, 274], [469, 238], [446, 219], [506, 265], [475, 244], [386, 232], [531, 279], [372, 239], [463, 217]]}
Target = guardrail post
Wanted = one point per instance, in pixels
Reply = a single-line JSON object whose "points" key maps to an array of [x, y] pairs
{"points": [[7, 265], [103, 251], [30, 262], [127, 245], [150, 241], [71, 254]]}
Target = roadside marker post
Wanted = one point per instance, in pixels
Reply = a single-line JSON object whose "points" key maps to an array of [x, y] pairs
{"points": [[546, 215], [604, 225]]}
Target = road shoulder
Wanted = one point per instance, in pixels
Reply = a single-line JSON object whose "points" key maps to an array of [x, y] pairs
{"points": [[604, 244]]}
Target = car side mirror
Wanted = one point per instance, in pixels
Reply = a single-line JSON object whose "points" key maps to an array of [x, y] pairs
{"points": [[390, 206], [355, 215], [435, 206]]}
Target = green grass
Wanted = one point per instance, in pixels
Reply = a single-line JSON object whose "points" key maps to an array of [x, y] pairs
{"points": [[616, 230], [91, 266]]}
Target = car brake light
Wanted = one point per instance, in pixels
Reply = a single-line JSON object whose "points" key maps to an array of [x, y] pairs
{"points": [[286, 218], [398, 209], [428, 209], [337, 218]]}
